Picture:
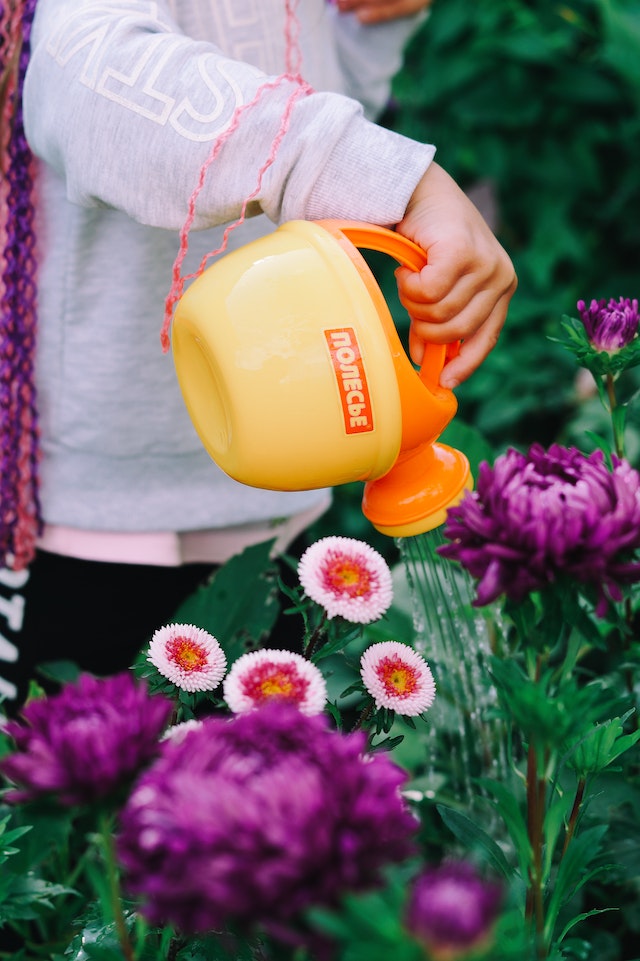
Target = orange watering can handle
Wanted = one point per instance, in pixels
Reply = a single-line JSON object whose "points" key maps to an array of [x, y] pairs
{"points": [[408, 254]]}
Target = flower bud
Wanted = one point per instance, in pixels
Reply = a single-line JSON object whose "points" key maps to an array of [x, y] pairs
{"points": [[452, 910], [610, 326]]}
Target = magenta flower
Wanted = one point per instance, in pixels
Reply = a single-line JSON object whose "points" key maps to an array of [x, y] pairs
{"points": [[84, 742], [452, 910], [546, 515], [398, 678], [253, 819], [610, 326], [348, 578], [270, 675]]}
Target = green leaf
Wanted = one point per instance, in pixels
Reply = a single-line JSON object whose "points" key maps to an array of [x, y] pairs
{"points": [[475, 838], [546, 712], [370, 926], [573, 871], [103, 952], [623, 40], [581, 917], [217, 947], [601, 746], [8, 837], [469, 439], [22, 897], [513, 817], [61, 672], [239, 605], [554, 821]]}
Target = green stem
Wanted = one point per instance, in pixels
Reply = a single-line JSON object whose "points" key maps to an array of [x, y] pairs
{"points": [[316, 634], [618, 430], [364, 716], [531, 764], [575, 650], [114, 891], [611, 392], [536, 795], [629, 670], [174, 947], [573, 817], [536, 799]]}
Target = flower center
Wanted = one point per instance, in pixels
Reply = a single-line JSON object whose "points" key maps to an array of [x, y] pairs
{"points": [[269, 681], [188, 655], [342, 575], [398, 677]]}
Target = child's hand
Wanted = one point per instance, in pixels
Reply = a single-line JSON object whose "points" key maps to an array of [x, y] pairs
{"points": [[377, 11], [464, 290]]}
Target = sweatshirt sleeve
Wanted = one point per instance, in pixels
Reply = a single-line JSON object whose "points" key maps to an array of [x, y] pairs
{"points": [[371, 55], [127, 109]]}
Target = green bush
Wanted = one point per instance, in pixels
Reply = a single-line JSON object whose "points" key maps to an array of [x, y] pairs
{"points": [[541, 102]]}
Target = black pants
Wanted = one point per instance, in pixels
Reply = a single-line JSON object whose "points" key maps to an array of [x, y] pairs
{"points": [[98, 615]]}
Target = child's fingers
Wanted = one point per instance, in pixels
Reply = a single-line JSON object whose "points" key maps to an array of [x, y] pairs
{"points": [[477, 324]]}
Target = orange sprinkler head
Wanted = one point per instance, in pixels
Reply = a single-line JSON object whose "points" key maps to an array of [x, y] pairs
{"points": [[414, 496], [428, 477]]}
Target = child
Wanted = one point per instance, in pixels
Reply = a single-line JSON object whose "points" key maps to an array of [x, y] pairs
{"points": [[121, 104]]}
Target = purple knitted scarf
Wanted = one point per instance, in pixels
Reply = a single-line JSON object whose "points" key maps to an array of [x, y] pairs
{"points": [[20, 519]]}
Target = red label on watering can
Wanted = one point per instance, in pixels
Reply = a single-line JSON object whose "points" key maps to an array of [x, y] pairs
{"points": [[350, 374]]}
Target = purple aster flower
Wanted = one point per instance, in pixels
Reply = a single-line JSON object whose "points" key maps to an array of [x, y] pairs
{"points": [[84, 742], [452, 909], [610, 326], [546, 515], [245, 821]]}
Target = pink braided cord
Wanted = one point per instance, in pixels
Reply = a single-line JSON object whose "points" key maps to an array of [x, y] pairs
{"points": [[302, 89]]}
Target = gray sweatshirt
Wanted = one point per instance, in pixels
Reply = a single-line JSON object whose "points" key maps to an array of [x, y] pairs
{"points": [[123, 101]]}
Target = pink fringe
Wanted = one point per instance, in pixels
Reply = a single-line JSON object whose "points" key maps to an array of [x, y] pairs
{"points": [[302, 89]]}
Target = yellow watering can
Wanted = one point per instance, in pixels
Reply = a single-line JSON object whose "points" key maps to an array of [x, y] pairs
{"points": [[295, 377]]}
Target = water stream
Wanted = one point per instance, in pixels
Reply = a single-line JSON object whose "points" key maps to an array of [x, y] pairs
{"points": [[467, 738]]}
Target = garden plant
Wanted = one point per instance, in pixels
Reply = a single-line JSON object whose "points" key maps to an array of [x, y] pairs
{"points": [[444, 764], [230, 798]]}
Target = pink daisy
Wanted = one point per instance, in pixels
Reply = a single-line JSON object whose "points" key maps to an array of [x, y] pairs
{"points": [[273, 675], [347, 577], [188, 656], [398, 678], [178, 732]]}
